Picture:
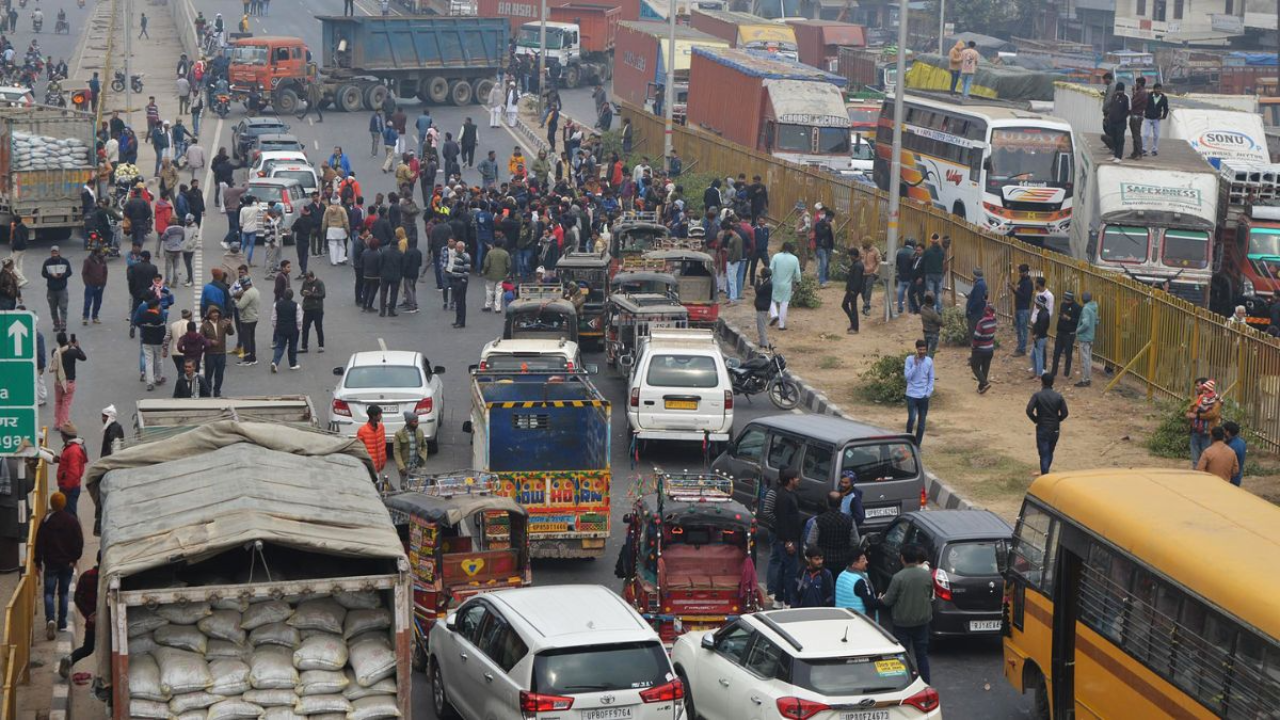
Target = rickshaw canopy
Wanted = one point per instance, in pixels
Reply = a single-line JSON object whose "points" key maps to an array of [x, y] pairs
{"points": [[450, 510]]}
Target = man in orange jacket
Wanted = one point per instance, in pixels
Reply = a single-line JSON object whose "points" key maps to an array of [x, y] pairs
{"points": [[374, 437]]}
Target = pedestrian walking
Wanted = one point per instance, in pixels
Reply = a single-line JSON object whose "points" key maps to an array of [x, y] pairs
{"points": [[59, 545], [1086, 332], [248, 301], [173, 335], [336, 227], [853, 286], [1039, 335], [1237, 445], [1204, 414], [902, 267], [918, 372], [142, 23], [56, 271], [784, 268], [94, 274], [215, 328], [390, 139], [976, 303], [377, 126], [270, 229], [86, 601], [1219, 459], [313, 293], [459, 274], [763, 301], [1137, 114], [931, 324], [786, 539], [1068, 321], [250, 218], [512, 103], [150, 320], [468, 137], [1157, 110], [1022, 293], [286, 322], [910, 600], [1047, 409], [19, 237], [374, 436], [171, 241], [984, 348], [495, 270], [411, 270], [409, 447], [190, 384]]}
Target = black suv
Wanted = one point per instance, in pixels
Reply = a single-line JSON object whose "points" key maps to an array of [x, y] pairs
{"points": [[967, 551], [247, 131]]}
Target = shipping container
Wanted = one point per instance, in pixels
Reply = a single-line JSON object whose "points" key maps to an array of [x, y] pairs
{"points": [[747, 32], [519, 12], [820, 41], [1243, 79], [640, 59], [46, 158], [597, 24]]}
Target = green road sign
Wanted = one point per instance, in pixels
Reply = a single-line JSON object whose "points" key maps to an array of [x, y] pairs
{"points": [[19, 418]]}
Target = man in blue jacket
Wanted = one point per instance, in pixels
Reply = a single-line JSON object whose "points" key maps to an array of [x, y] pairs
{"points": [[977, 302]]}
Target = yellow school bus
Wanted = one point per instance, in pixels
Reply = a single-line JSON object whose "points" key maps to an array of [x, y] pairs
{"points": [[1147, 593]]}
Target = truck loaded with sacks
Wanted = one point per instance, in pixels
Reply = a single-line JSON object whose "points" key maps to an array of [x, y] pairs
{"points": [[249, 570], [46, 158], [363, 58]]}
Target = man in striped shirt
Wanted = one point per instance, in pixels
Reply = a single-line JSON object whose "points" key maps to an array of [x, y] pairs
{"points": [[984, 347]]}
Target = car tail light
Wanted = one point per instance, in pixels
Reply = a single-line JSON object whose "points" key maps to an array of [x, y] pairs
{"points": [[794, 708], [569, 366], [635, 397], [924, 498], [942, 584], [261, 174], [728, 399], [484, 365], [673, 690], [535, 703], [288, 206], [925, 701], [340, 407], [423, 407]]}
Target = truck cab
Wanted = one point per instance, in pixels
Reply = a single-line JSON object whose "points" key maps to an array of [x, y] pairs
{"points": [[277, 67]]}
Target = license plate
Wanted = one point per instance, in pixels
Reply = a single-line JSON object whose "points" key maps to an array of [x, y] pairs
{"points": [[682, 404], [882, 512], [622, 713], [866, 715], [388, 410], [983, 625]]}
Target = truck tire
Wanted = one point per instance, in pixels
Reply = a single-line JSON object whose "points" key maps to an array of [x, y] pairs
{"points": [[286, 101], [437, 89], [460, 92], [349, 98], [481, 90], [374, 96], [572, 75]]}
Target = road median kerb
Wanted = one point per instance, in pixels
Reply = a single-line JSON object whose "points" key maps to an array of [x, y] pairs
{"points": [[811, 399]]}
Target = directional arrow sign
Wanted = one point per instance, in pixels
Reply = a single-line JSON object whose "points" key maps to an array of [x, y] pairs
{"points": [[18, 415]]}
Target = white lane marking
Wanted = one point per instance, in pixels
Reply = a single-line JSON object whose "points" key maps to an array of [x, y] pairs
{"points": [[197, 263]]}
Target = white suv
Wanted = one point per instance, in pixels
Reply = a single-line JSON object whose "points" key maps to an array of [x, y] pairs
{"points": [[551, 653], [680, 388], [531, 355], [801, 664]]}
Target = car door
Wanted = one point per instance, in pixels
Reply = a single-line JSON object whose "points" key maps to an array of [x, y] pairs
{"points": [[501, 648], [763, 661], [719, 674], [741, 461], [815, 478], [885, 560], [458, 666]]}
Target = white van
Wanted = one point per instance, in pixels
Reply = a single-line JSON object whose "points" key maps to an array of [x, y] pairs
{"points": [[680, 388]]}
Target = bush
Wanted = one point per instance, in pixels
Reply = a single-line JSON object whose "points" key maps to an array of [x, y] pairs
{"points": [[955, 327], [884, 382], [805, 293], [1171, 438]]}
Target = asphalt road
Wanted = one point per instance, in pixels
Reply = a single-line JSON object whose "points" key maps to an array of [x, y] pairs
{"points": [[967, 675]]}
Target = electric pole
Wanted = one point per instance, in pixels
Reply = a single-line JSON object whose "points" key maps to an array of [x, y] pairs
{"points": [[895, 168], [668, 98]]}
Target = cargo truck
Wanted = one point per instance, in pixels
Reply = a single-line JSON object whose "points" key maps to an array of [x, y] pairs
{"points": [[248, 529], [1154, 219], [46, 158], [641, 60], [546, 436], [748, 32], [166, 417], [519, 12], [819, 41], [869, 69], [436, 59], [789, 110], [580, 37], [1249, 274]]}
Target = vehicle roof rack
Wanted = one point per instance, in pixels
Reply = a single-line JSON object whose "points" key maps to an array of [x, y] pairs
{"points": [[774, 626], [458, 482], [700, 487]]}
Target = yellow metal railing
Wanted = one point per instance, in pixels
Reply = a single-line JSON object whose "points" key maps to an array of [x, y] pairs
{"points": [[20, 612], [1176, 340]]}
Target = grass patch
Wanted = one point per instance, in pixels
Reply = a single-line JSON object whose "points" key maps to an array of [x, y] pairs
{"points": [[830, 362], [805, 293], [955, 327], [884, 382], [1002, 477]]}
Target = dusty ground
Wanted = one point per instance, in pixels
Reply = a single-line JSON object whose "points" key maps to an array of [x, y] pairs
{"points": [[982, 445]]}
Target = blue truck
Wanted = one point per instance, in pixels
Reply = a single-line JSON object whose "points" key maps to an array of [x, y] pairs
{"points": [[546, 436], [437, 59]]}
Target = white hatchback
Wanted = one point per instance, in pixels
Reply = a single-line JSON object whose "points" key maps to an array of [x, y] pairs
{"points": [[801, 664], [680, 388], [396, 381], [556, 652]]}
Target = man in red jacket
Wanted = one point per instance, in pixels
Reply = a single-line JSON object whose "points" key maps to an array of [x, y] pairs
{"points": [[71, 465], [59, 545]]}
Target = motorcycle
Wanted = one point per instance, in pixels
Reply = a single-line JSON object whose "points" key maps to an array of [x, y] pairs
{"points": [[135, 82], [55, 98], [222, 104], [62, 26], [37, 24], [765, 373]]}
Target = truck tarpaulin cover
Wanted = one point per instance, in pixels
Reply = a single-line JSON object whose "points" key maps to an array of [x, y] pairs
{"points": [[799, 102], [932, 72], [1222, 136]]}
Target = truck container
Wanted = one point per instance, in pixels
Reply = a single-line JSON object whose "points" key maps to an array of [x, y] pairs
{"points": [[641, 58], [519, 12], [165, 417], [1154, 220], [748, 32], [819, 41], [546, 436], [868, 68], [580, 37], [790, 110], [235, 529], [46, 158], [434, 58]]}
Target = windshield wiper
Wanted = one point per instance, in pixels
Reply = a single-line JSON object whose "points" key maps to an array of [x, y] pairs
{"points": [[586, 687]]}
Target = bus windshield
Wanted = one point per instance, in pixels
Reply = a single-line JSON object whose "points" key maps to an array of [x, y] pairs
{"points": [[1030, 154], [1264, 241], [249, 55], [530, 38]]}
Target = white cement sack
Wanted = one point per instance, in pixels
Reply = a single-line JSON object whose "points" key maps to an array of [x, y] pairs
{"points": [[230, 677], [223, 625], [235, 709], [184, 613], [318, 704], [182, 671], [271, 668], [183, 637], [362, 621], [143, 620], [372, 660], [374, 707], [323, 682], [275, 634], [321, 652], [144, 679], [264, 613], [197, 700], [319, 614]]}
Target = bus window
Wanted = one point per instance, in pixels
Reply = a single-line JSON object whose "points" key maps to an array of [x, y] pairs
{"points": [[1033, 550]]}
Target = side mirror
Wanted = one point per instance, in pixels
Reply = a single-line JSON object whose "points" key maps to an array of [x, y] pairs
{"points": [[472, 368], [626, 519], [591, 368], [451, 621], [627, 361], [709, 641], [338, 371], [873, 538], [438, 370], [733, 362], [467, 427]]}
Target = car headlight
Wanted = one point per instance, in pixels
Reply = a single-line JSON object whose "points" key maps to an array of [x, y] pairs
{"points": [[1247, 287]]}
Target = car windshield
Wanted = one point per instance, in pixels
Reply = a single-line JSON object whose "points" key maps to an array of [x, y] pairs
{"points": [[304, 178], [880, 462], [863, 151], [1186, 248], [687, 371], [249, 55], [525, 362], [383, 376], [863, 675], [530, 37], [980, 558], [1265, 241], [1122, 243], [861, 118], [279, 145], [540, 321], [267, 192], [621, 666]]}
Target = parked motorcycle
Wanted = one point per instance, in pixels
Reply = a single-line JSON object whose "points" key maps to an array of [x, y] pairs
{"points": [[765, 372], [135, 82], [55, 98]]}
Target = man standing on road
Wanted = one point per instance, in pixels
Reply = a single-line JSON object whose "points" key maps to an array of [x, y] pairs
{"points": [[984, 348], [1022, 307], [59, 545], [215, 329], [56, 271], [286, 319], [249, 305], [1047, 409], [190, 384], [489, 171], [1157, 110], [410, 447], [376, 127], [1086, 331], [910, 597], [834, 533], [374, 436], [918, 372], [786, 539], [391, 267], [495, 101], [1065, 343], [468, 138], [496, 268], [312, 310], [150, 321], [784, 270], [977, 302], [459, 274]]}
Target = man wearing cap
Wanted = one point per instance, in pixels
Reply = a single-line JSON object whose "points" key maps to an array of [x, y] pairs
{"points": [[410, 446], [977, 301], [71, 464], [59, 545], [1065, 343], [56, 271], [1086, 331]]}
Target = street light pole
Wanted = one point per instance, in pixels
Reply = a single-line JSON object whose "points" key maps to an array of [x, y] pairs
{"points": [[542, 55], [128, 59], [942, 27], [668, 98], [895, 169]]}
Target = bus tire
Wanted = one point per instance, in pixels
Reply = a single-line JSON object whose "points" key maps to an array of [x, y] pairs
{"points": [[349, 98], [480, 91], [460, 92], [1040, 707], [374, 96], [437, 90]]}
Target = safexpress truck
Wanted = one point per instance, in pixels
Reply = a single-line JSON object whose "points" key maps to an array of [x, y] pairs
{"points": [[547, 438], [1154, 219]]}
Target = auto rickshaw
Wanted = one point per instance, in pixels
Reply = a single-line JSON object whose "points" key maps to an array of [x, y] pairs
{"points": [[632, 236], [695, 273], [688, 560], [462, 538], [541, 312], [629, 318], [645, 281], [589, 270]]}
